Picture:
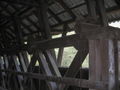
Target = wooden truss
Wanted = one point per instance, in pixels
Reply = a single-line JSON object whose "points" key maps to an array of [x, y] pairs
{"points": [[18, 70]]}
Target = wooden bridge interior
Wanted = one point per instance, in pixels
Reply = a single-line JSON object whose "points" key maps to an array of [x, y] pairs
{"points": [[26, 29]]}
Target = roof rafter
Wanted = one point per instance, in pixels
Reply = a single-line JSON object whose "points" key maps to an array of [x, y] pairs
{"points": [[63, 4], [54, 15]]}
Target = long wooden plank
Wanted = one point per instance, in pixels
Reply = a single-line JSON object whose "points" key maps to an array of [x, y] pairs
{"points": [[113, 65], [10, 66], [3, 73], [44, 22], [119, 60], [68, 81], [25, 56], [56, 43], [6, 61], [89, 31], [46, 70], [22, 62], [105, 70], [16, 63], [30, 69], [77, 61], [52, 63], [60, 52]]}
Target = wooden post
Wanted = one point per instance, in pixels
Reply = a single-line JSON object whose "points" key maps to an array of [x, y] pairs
{"points": [[61, 50], [102, 56], [44, 23]]}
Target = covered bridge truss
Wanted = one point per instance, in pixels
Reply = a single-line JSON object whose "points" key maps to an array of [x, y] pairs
{"points": [[27, 26]]}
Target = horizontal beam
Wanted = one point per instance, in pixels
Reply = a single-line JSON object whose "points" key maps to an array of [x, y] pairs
{"points": [[93, 31], [89, 31], [68, 81], [56, 43]]}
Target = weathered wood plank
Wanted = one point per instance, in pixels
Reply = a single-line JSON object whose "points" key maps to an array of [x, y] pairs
{"points": [[89, 31], [25, 56], [22, 62], [68, 81], [52, 63], [3, 83], [61, 50], [77, 61], [17, 67], [43, 63]]}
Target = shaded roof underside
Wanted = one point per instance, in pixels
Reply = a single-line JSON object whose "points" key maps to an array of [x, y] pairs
{"points": [[59, 13]]}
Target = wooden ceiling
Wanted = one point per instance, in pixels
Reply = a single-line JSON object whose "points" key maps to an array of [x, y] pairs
{"points": [[59, 13]]}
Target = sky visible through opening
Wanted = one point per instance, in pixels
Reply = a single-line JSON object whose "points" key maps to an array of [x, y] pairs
{"points": [[115, 24]]}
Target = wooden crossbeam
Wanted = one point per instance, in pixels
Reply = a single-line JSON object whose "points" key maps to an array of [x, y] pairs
{"points": [[56, 43], [52, 63], [63, 4], [77, 61], [48, 65], [6, 61], [89, 31], [22, 62], [25, 56], [10, 66], [47, 71], [20, 78], [68, 81], [54, 15]]}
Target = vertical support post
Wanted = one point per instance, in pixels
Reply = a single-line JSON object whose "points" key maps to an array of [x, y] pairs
{"points": [[17, 66], [102, 56], [61, 50], [22, 62], [112, 67], [44, 23], [6, 61], [18, 30], [2, 73], [25, 56], [92, 44], [119, 62]]}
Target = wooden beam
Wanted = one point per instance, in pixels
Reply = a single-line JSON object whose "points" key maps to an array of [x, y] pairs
{"points": [[52, 63], [60, 52], [68, 81], [22, 62], [17, 67], [54, 15], [46, 69], [62, 3], [77, 62], [44, 22], [89, 31], [25, 56]]}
